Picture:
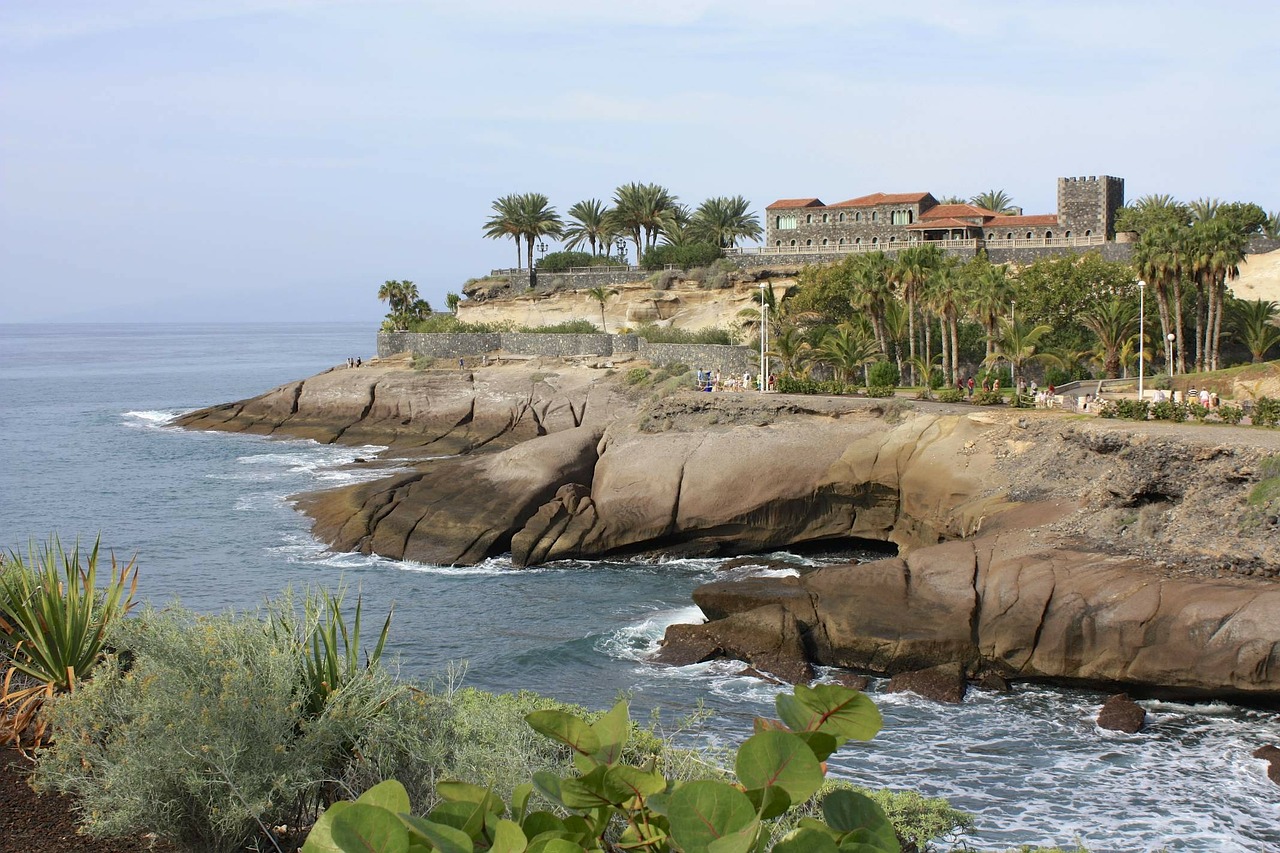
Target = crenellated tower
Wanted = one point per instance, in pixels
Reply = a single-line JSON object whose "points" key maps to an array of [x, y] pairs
{"points": [[1087, 206]]}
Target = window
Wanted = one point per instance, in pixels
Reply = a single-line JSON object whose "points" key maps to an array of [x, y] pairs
{"points": [[785, 223], [808, 219], [793, 242], [1029, 236], [874, 240], [826, 217], [841, 241], [824, 241], [900, 217], [911, 217], [991, 235], [857, 241], [875, 216], [1048, 235], [1009, 236], [808, 242], [892, 240], [1068, 234], [842, 217], [857, 217], [778, 243], [1088, 232]]}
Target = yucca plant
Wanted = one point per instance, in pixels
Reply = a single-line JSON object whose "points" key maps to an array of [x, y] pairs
{"points": [[332, 656], [53, 619]]}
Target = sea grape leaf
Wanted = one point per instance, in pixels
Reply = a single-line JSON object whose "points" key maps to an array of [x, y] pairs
{"points": [[467, 817], [464, 792], [320, 839], [565, 728], [586, 792], [555, 845], [520, 800], [779, 758], [821, 744], [389, 795], [612, 731], [538, 823], [839, 711], [769, 802], [548, 785], [445, 839], [702, 811], [857, 814], [628, 784], [363, 828], [508, 837], [742, 841], [806, 841]]}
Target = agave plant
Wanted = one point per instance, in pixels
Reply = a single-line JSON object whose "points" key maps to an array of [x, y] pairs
{"points": [[332, 653], [53, 620]]}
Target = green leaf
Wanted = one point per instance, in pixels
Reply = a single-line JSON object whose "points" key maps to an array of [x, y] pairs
{"points": [[539, 823], [831, 708], [565, 728], [467, 817], [805, 841], [586, 792], [779, 758], [520, 800], [821, 744], [769, 802], [548, 785], [508, 838], [445, 839], [465, 792], [363, 828], [554, 845], [389, 795], [626, 785], [612, 731], [320, 839], [850, 812], [742, 841], [703, 811]]}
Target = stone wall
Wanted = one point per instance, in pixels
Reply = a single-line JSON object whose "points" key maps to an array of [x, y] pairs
{"points": [[823, 226], [1030, 254], [727, 359], [1090, 204]]}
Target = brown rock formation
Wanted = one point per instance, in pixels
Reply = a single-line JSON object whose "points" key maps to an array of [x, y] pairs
{"points": [[942, 683], [1122, 714]]}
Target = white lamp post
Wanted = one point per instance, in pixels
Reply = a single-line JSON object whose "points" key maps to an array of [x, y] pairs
{"points": [[1168, 353], [1142, 289], [764, 331]]}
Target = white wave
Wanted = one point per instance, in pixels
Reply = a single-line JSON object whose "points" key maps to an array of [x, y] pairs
{"points": [[638, 641], [488, 567], [151, 418]]}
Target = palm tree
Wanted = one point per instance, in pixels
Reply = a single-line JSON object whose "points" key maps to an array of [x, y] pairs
{"points": [[640, 211], [505, 222], [944, 293], [997, 200], [451, 300], [990, 292], [537, 219], [1016, 344], [678, 227], [1254, 323], [724, 220], [896, 329], [1115, 323], [913, 267], [848, 347], [1271, 228], [601, 295], [872, 281], [791, 350], [404, 303], [587, 224], [1204, 209], [1160, 258]]}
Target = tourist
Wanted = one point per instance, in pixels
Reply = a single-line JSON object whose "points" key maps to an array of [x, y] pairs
{"points": [[970, 385], [1204, 397]]}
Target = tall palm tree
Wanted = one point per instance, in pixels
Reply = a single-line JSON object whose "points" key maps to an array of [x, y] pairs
{"points": [[990, 292], [537, 219], [724, 220], [640, 211], [791, 350], [1254, 323], [1204, 209], [997, 200], [1160, 258], [913, 267], [1016, 344], [587, 224], [505, 222], [678, 227], [1271, 228], [1114, 322], [944, 293], [601, 295], [896, 330], [872, 281]]}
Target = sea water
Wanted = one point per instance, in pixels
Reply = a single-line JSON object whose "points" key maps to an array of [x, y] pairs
{"points": [[86, 449]]}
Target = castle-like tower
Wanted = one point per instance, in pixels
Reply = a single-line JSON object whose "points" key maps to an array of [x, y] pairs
{"points": [[1087, 206]]}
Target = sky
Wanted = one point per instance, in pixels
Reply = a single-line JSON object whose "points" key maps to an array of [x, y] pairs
{"points": [[276, 160]]}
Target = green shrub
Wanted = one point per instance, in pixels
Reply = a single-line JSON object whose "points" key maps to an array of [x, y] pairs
{"points": [[662, 279], [1230, 414], [636, 376], [1197, 411], [561, 261], [874, 390], [917, 820], [950, 395], [1167, 410], [568, 327], [1266, 412], [1134, 410], [987, 398], [794, 385], [421, 362], [884, 373], [684, 257], [668, 335]]}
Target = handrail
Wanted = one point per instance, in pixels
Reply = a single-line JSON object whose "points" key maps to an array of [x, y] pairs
{"points": [[898, 245]]}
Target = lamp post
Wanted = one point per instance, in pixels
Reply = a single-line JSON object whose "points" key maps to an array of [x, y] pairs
{"points": [[1168, 353], [622, 250], [542, 251], [1013, 366], [764, 333], [1142, 289]]}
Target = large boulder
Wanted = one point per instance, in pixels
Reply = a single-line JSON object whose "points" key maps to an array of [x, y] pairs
{"points": [[1121, 714], [942, 683], [769, 638]]}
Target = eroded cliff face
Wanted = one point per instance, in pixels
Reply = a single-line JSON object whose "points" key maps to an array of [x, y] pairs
{"points": [[1031, 545]]}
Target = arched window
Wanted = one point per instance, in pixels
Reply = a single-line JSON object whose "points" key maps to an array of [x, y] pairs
{"points": [[779, 243], [824, 241], [875, 240], [841, 243], [911, 217], [1068, 234], [991, 235], [842, 217], [808, 219], [1009, 236], [893, 239], [857, 217], [1088, 232], [808, 242], [857, 241], [875, 216], [1029, 236], [1048, 235], [777, 222], [826, 217], [793, 242]]}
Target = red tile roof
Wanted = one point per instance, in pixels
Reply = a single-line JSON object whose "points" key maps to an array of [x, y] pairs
{"points": [[945, 211], [882, 198], [1022, 221], [795, 202], [939, 224]]}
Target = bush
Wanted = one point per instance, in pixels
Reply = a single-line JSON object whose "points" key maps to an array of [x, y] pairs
{"points": [[874, 390], [668, 335], [1197, 411], [1266, 412], [1167, 410], [1230, 414], [917, 820], [662, 279], [1134, 410], [568, 327], [561, 261], [794, 385], [884, 373], [950, 395], [987, 398], [684, 257]]}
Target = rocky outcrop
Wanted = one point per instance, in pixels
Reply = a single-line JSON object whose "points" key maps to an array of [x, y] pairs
{"points": [[990, 605], [767, 637], [943, 683], [1121, 714]]}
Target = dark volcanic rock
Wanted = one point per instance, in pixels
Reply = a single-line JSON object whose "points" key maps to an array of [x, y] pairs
{"points": [[687, 644], [945, 683], [768, 638], [1271, 755], [1122, 714], [994, 682], [851, 680]]}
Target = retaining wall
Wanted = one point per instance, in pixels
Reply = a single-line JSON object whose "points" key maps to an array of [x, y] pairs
{"points": [[727, 359]]}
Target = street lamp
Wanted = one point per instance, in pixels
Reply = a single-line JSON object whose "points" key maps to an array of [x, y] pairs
{"points": [[622, 250], [542, 250], [764, 331], [1168, 353], [1142, 289], [1013, 366]]}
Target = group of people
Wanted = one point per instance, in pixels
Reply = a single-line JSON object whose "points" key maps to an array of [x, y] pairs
{"points": [[711, 380], [354, 361]]}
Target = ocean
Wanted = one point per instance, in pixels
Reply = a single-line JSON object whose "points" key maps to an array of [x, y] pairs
{"points": [[86, 449]]}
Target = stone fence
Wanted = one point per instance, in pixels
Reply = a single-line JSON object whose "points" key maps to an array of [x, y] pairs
{"points": [[727, 359]]}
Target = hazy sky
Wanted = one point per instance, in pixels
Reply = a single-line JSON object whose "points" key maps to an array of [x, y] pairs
{"points": [[178, 160]]}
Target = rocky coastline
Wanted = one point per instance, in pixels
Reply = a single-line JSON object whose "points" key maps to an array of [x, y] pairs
{"points": [[1030, 545]]}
